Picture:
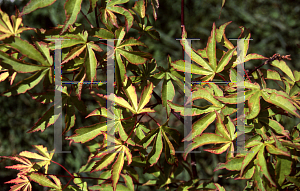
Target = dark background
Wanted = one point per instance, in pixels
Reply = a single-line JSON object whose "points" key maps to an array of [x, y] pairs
{"points": [[274, 26]]}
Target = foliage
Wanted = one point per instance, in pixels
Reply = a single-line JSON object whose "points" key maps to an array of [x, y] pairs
{"points": [[272, 151]]}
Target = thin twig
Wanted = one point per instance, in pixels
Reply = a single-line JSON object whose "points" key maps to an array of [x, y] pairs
{"points": [[86, 19], [97, 21], [271, 59]]}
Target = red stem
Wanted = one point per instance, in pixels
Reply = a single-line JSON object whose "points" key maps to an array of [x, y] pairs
{"points": [[62, 167], [132, 128], [67, 184], [153, 119], [105, 43]]}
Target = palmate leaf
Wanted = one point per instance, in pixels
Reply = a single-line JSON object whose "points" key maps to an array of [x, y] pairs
{"points": [[26, 84], [228, 132], [109, 156], [109, 13], [26, 49], [90, 61], [68, 102], [258, 149], [222, 39], [118, 118], [200, 93], [25, 167], [17, 65], [124, 48], [157, 136], [45, 156], [22, 183], [130, 92], [7, 29]]}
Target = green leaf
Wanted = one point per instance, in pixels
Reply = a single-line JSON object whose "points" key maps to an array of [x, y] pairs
{"points": [[102, 33], [93, 4], [231, 128], [219, 150], [26, 84], [211, 48], [225, 60], [131, 42], [294, 179], [131, 94], [179, 65], [131, 56], [284, 68], [233, 164], [276, 151], [72, 8], [282, 102], [75, 52], [220, 31], [168, 92], [72, 40], [128, 181], [116, 169], [26, 49], [43, 48], [254, 56], [155, 153], [36, 4], [17, 65], [270, 74], [108, 187], [200, 125], [261, 161], [120, 101], [204, 139], [90, 64], [88, 133], [220, 127], [110, 9], [147, 139], [45, 121], [104, 162], [254, 105], [43, 180], [195, 57], [204, 94], [139, 8], [196, 110], [278, 128], [250, 155], [145, 97]]}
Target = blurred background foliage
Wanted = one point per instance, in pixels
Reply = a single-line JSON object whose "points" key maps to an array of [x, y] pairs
{"points": [[274, 27]]}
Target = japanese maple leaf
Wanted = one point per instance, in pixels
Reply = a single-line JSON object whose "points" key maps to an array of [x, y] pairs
{"points": [[22, 183]]}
